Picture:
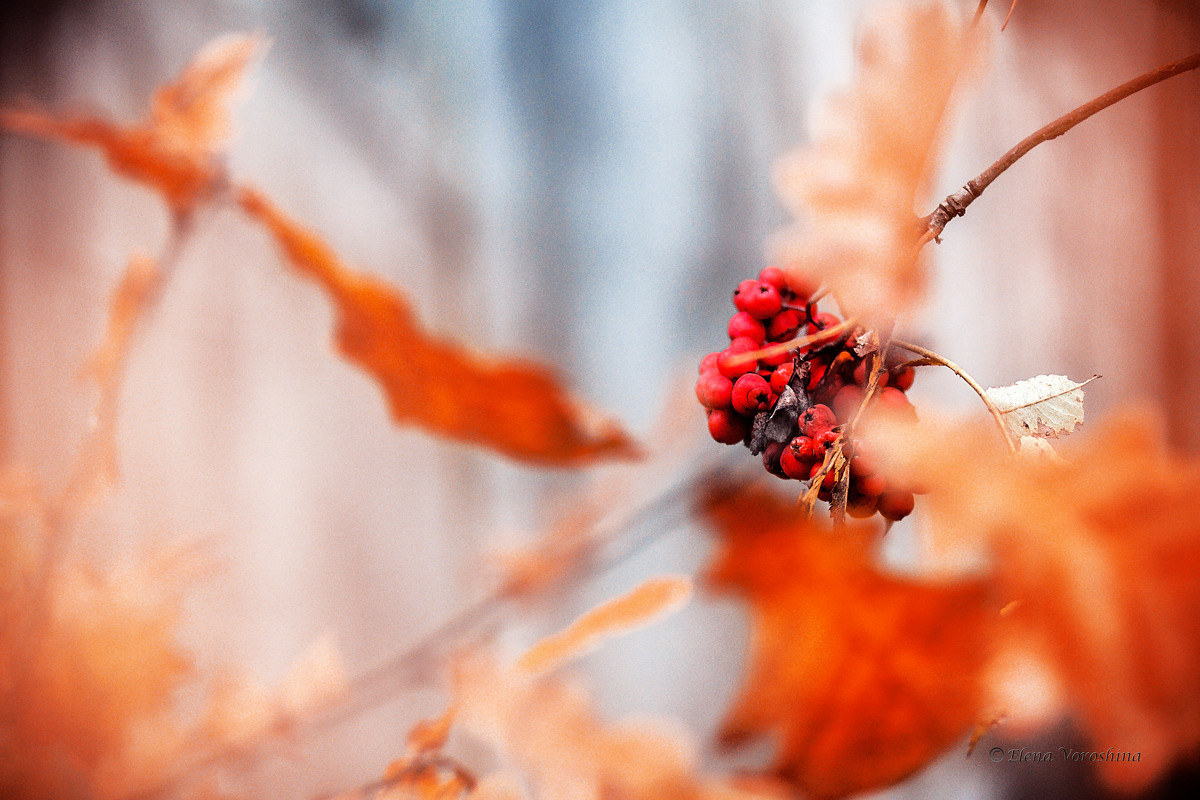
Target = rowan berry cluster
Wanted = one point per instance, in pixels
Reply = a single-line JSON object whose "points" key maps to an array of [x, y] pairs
{"points": [[791, 403]]}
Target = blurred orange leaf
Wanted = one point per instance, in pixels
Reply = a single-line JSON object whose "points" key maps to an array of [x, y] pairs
{"points": [[548, 729], [640, 606], [177, 149], [1102, 549], [857, 185], [866, 677], [513, 407]]}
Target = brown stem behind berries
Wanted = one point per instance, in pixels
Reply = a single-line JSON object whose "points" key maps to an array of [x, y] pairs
{"points": [[956, 204], [751, 356], [957, 370]]}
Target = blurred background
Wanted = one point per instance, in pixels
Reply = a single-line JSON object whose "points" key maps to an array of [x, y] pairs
{"points": [[583, 184]]}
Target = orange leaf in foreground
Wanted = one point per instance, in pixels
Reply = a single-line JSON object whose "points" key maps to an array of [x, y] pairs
{"points": [[177, 149], [1103, 552], [866, 677], [513, 407]]}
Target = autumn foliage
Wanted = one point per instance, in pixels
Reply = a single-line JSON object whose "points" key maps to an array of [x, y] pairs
{"points": [[1070, 567]]}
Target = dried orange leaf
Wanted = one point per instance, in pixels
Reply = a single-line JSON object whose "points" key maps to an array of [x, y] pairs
{"points": [[513, 407], [869, 165], [430, 735], [648, 602], [866, 677], [178, 149], [192, 115]]}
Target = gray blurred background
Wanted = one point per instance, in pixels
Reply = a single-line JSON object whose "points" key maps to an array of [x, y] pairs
{"points": [[579, 183]]}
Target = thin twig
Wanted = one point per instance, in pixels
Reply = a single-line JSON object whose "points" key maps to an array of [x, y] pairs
{"points": [[957, 370], [102, 423], [979, 12], [956, 204], [420, 662], [1008, 16]]}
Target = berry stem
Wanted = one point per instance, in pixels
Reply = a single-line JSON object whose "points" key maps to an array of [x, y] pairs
{"points": [[956, 204], [770, 351], [877, 367], [957, 370]]}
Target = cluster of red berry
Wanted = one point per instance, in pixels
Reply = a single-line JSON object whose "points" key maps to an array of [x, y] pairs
{"points": [[789, 405]]}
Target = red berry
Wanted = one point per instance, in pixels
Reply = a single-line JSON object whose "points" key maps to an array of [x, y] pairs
{"points": [[819, 323], [727, 427], [816, 420], [862, 374], [709, 363], [830, 480], [742, 324], [894, 399], [775, 277], [860, 506], [762, 301], [793, 459], [846, 401], [784, 325], [804, 285], [744, 344], [896, 505], [806, 448], [752, 394], [902, 378], [742, 293], [731, 369], [870, 485], [714, 391], [782, 376], [771, 459], [862, 465], [825, 440], [816, 373]]}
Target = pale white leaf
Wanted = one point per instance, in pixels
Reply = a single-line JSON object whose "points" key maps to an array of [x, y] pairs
{"points": [[1047, 406]]}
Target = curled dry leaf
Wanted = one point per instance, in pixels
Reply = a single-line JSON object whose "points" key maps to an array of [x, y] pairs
{"points": [[858, 184], [177, 149], [1047, 406], [512, 407], [1102, 550], [865, 677]]}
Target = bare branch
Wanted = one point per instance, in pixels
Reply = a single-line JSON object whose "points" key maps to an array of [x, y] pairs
{"points": [[956, 204], [1008, 16], [960, 372]]}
